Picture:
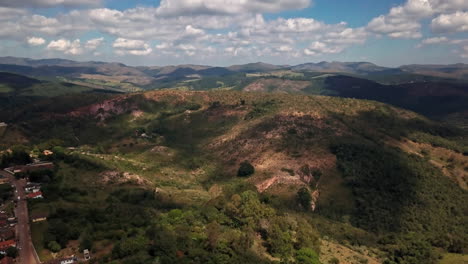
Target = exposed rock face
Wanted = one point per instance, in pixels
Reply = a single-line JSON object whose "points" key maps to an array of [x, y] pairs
{"points": [[105, 109], [109, 177]]}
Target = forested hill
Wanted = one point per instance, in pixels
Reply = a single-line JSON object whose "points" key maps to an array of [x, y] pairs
{"points": [[243, 177]]}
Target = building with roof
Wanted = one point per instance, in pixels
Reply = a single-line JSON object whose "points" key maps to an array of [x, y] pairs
{"points": [[68, 260], [34, 195], [41, 165], [4, 245], [38, 217], [7, 233], [32, 187], [4, 180]]}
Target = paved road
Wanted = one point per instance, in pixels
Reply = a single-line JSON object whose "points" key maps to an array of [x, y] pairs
{"points": [[27, 253]]}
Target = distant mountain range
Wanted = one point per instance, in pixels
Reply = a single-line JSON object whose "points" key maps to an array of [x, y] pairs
{"points": [[437, 91], [143, 75]]}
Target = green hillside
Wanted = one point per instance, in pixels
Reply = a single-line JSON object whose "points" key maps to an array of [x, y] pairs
{"points": [[158, 176]]}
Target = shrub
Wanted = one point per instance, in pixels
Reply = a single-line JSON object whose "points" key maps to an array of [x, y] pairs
{"points": [[307, 256], [54, 246], [246, 169], [304, 198], [12, 252]]}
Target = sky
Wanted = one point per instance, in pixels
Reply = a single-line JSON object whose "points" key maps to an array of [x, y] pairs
{"points": [[227, 32]]}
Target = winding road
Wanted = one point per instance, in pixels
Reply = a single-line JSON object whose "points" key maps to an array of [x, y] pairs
{"points": [[27, 253]]}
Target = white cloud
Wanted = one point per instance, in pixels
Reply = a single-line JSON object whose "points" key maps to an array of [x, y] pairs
{"points": [[7, 14], [66, 46], [447, 23], [442, 40], [48, 3], [318, 47], [93, 44], [442, 6], [223, 28], [227, 7], [404, 21], [189, 30], [35, 41], [435, 40], [284, 48], [347, 36], [129, 46], [464, 53]]}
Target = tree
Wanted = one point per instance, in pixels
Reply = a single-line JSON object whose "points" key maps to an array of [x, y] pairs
{"points": [[54, 246], [304, 198], [213, 231], [12, 252], [246, 169], [280, 241], [413, 248], [86, 242]]}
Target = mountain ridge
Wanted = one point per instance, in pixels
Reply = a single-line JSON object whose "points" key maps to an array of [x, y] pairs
{"points": [[63, 62]]}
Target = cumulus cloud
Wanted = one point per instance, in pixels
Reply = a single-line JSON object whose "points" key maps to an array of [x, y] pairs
{"points": [[93, 44], [405, 21], [402, 21], [318, 47], [66, 46], [435, 40], [35, 41], [216, 28], [448, 23], [227, 7], [7, 14], [441, 40], [464, 52], [442, 6], [129, 46], [48, 3]]}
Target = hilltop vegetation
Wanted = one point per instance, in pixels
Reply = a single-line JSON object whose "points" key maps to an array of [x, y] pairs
{"points": [[232, 177]]}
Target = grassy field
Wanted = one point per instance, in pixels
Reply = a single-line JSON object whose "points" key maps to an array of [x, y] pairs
{"points": [[38, 231], [5, 89], [454, 259]]}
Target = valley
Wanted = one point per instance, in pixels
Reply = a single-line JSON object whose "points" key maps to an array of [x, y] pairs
{"points": [[249, 162], [134, 168]]}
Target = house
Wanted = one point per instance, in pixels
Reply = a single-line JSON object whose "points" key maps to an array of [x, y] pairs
{"points": [[34, 195], [32, 187], [7, 234], [4, 180], [47, 152], [4, 245], [69, 260], [6, 260], [41, 165], [38, 217]]}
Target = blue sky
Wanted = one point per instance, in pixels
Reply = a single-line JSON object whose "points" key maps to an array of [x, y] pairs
{"points": [[225, 32]]}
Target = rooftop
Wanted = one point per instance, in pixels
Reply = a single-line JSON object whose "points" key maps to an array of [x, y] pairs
{"points": [[7, 244], [34, 195]]}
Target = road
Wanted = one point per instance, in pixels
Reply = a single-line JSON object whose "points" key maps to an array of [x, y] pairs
{"points": [[27, 253]]}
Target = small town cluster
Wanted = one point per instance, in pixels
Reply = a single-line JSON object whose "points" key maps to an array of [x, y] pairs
{"points": [[16, 188]]}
